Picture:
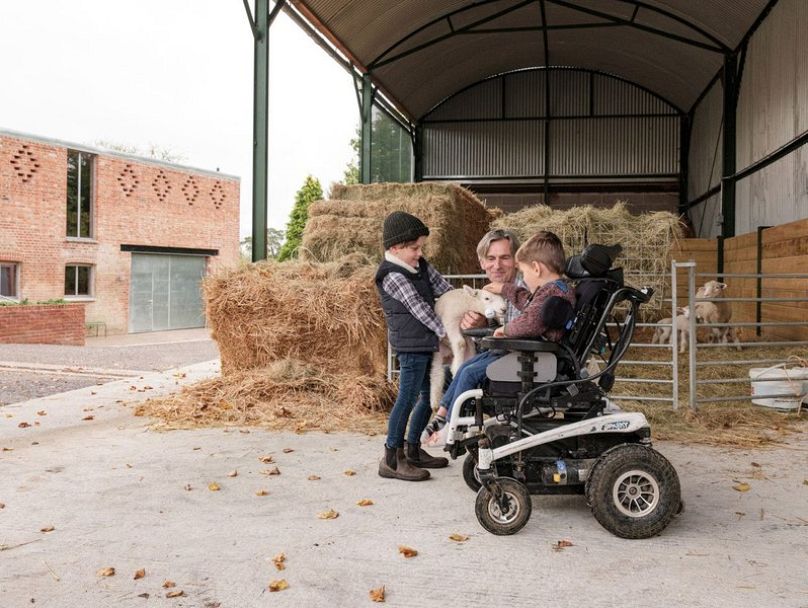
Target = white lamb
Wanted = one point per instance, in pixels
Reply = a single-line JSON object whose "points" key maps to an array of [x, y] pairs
{"points": [[450, 308], [716, 312], [662, 334]]}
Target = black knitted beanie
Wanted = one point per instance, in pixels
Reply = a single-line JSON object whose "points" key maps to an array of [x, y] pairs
{"points": [[401, 227]]}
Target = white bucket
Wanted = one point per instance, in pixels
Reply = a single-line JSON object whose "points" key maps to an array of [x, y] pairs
{"points": [[779, 381]]}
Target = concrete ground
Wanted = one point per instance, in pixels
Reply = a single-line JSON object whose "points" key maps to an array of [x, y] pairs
{"points": [[28, 371], [118, 494]]}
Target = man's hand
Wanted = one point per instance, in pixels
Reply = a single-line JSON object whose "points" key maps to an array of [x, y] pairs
{"points": [[494, 288], [499, 332], [473, 320]]}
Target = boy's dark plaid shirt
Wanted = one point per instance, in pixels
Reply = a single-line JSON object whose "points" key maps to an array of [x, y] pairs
{"points": [[400, 288]]}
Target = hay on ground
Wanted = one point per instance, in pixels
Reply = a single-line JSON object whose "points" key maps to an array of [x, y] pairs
{"points": [[285, 395], [647, 240], [328, 313], [352, 222]]}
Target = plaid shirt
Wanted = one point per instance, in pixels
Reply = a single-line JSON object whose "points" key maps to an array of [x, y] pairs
{"points": [[511, 312], [401, 289]]}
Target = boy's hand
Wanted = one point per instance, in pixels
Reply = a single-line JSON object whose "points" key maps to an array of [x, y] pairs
{"points": [[473, 320], [494, 288], [499, 332]]}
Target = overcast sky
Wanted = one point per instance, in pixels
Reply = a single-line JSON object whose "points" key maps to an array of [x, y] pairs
{"points": [[177, 74]]}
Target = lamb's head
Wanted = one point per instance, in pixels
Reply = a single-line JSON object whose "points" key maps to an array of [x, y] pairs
{"points": [[684, 311], [486, 303], [711, 289]]}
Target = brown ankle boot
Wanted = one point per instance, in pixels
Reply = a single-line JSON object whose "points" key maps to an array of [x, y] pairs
{"points": [[394, 465], [387, 465], [419, 457]]}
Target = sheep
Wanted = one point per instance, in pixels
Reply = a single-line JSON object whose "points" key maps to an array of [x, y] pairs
{"points": [[450, 308], [716, 312], [662, 333]]}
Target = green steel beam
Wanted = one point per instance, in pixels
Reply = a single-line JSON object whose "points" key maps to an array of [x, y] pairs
{"points": [[730, 76], [260, 24], [367, 129]]}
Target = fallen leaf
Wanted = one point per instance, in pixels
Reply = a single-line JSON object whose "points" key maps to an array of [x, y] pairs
{"points": [[267, 459], [755, 464], [233, 474], [214, 487], [36, 422], [741, 487], [739, 514], [140, 573], [278, 561], [365, 502], [313, 478], [88, 417], [128, 466], [377, 595], [23, 425], [407, 551], [562, 544], [42, 413], [330, 514], [805, 482], [349, 472], [287, 450], [300, 427], [2, 505], [109, 571], [261, 492], [188, 487], [47, 529], [12, 449], [144, 595], [278, 585], [458, 538], [272, 471], [177, 593], [167, 584], [284, 413]]}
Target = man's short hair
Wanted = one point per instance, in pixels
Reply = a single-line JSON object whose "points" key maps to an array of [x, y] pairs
{"points": [[544, 247], [496, 235]]}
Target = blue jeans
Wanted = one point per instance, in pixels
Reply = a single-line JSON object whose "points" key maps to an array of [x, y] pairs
{"points": [[413, 385], [470, 375]]}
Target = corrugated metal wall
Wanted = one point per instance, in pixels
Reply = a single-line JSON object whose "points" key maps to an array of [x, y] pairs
{"points": [[704, 164], [772, 110], [598, 127]]}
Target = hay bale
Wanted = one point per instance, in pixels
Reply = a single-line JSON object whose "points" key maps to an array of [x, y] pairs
{"points": [[352, 222], [647, 240], [325, 314], [288, 394]]}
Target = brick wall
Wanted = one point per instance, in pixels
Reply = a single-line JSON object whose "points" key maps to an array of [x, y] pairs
{"points": [[135, 202], [42, 324]]}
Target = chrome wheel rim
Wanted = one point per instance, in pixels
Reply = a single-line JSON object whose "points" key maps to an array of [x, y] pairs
{"points": [[636, 493], [513, 508]]}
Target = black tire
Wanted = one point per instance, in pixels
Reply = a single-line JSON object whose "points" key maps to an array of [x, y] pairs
{"points": [[470, 474], [633, 491], [490, 516]]}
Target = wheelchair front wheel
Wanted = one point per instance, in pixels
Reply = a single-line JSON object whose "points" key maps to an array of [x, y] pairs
{"points": [[507, 515], [470, 474]]}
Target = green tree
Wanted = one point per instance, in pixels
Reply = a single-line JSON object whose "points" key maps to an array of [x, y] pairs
{"points": [[390, 152], [274, 243], [310, 191], [154, 151]]}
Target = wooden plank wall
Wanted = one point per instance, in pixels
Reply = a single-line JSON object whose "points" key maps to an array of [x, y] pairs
{"points": [[785, 250]]}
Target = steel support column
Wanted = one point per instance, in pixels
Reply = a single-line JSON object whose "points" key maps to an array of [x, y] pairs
{"points": [[367, 129], [418, 153], [729, 78], [684, 161], [260, 130]]}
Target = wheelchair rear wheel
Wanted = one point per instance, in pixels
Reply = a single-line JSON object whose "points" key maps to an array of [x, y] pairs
{"points": [[507, 515], [633, 491], [470, 474]]}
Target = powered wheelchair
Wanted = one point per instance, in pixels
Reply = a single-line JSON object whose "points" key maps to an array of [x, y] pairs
{"points": [[542, 424]]}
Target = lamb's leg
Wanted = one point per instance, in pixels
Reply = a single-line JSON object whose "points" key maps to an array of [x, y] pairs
{"points": [[682, 340], [458, 353], [436, 377]]}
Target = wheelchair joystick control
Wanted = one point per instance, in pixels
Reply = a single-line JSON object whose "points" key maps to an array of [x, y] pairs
{"points": [[490, 313]]}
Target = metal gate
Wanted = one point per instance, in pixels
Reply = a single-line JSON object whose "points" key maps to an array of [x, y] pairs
{"points": [[165, 292]]}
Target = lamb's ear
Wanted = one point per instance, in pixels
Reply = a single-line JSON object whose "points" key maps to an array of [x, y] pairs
{"points": [[470, 290], [722, 285]]}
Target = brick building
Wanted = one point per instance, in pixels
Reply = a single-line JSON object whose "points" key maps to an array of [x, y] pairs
{"points": [[130, 237]]}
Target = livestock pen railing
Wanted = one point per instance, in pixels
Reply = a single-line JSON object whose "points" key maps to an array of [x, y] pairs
{"points": [[774, 315]]}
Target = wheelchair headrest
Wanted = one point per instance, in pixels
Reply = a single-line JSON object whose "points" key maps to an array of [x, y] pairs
{"points": [[594, 261], [557, 312]]}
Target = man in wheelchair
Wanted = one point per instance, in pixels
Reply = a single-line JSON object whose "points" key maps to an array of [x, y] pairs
{"points": [[539, 423]]}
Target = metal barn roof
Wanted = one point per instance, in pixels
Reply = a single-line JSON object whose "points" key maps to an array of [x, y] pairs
{"points": [[422, 51]]}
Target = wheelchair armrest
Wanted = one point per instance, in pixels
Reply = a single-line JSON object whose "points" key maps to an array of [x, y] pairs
{"points": [[517, 344], [477, 332]]}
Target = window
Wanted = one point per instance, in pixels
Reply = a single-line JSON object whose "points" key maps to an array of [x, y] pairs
{"points": [[79, 189], [78, 280], [9, 280]]}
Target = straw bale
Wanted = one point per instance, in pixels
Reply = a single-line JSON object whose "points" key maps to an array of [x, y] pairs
{"points": [[329, 313], [352, 222], [287, 394], [647, 240]]}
